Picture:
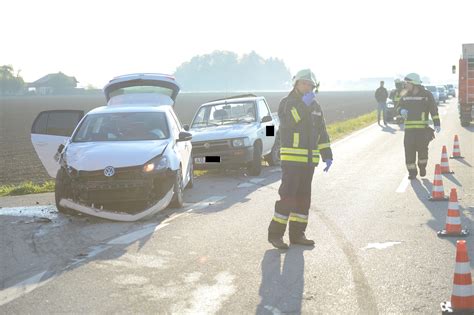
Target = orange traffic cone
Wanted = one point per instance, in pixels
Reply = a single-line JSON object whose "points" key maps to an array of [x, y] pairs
{"points": [[437, 192], [456, 149], [445, 162], [453, 220], [462, 299]]}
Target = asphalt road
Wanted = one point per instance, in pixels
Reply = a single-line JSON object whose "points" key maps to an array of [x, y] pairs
{"points": [[376, 245]]}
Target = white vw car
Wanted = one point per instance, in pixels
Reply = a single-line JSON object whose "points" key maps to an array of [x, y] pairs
{"points": [[124, 161]]}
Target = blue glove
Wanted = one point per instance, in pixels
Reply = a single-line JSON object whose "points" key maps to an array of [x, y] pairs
{"points": [[328, 165], [308, 98], [404, 113], [437, 129]]}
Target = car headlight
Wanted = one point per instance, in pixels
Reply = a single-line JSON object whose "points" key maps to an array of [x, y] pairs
{"points": [[240, 142], [156, 164]]}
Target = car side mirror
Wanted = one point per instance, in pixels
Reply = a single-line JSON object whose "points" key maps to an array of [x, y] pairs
{"points": [[186, 127], [266, 119], [184, 136]]}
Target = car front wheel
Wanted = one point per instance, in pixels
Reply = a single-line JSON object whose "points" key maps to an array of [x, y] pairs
{"points": [[255, 166], [178, 198], [62, 190]]}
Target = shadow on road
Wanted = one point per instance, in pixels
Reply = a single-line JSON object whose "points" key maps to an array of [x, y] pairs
{"points": [[439, 210], [282, 287], [388, 129]]}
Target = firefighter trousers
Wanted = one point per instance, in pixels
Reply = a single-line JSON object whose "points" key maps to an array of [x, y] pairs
{"points": [[294, 203], [416, 141]]}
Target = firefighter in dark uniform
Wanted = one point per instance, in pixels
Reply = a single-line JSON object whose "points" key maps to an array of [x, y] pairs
{"points": [[303, 139], [396, 94], [415, 106]]}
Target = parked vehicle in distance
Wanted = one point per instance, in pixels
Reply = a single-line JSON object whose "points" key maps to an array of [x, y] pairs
{"points": [[235, 132], [443, 95], [434, 91], [124, 161], [466, 85], [451, 90]]}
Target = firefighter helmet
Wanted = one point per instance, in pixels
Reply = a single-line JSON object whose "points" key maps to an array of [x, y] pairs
{"points": [[306, 75], [413, 78]]}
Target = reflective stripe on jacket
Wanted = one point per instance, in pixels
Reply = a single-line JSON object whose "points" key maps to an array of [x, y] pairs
{"points": [[303, 133]]}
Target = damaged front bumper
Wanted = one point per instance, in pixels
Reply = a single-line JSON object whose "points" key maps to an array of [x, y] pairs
{"points": [[117, 215]]}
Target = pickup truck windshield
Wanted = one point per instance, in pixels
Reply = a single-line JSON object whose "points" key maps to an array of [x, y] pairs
{"points": [[223, 114], [124, 126]]}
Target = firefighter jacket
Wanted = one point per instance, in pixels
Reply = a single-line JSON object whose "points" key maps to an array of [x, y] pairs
{"points": [[419, 107], [303, 134], [396, 95]]}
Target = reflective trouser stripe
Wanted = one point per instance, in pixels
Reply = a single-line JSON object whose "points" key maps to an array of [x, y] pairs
{"points": [[316, 159], [435, 117], [416, 122], [423, 161], [411, 166], [295, 114], [280, 218], [296, 139], [296, 217]]}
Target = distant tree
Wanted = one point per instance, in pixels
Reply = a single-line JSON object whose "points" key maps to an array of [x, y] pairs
{"points": [[223, 71], [10, 84]]}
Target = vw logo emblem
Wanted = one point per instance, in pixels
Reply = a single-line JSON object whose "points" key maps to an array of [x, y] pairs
{"points": [[207, 145], [109, 171]]}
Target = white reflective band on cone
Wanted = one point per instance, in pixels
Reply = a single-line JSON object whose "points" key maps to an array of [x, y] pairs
{"points": [[453, 206], [438, 188], [453, 220], [462, 268], [462, 290], [438, 177]]}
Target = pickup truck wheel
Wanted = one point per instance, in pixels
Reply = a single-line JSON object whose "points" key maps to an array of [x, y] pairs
{"points": [[191, 176], [178, 200], [255, 166], [62, 190], [273, 158]]}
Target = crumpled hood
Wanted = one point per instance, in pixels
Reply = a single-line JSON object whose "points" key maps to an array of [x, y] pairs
{"points": [[221, 132], [92, 156]]}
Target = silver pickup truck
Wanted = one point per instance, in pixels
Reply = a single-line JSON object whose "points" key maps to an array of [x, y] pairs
{"points": [[235, 132]]}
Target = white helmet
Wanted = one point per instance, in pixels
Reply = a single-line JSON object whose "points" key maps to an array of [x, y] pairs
{"points": [[306, 75]]}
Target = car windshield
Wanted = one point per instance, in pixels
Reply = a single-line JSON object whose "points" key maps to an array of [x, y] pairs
{"points": [[441, 89], [431, 88], [223, 114], [125, 126]]}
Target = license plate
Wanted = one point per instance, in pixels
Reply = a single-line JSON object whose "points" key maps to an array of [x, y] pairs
{"points": [[200, 160]]}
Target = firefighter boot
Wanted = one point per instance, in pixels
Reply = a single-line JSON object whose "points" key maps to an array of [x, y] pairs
{"points": [[302, 240], [412, 174], [276, 230], [297, 236], [423, 171], [277, 242]]}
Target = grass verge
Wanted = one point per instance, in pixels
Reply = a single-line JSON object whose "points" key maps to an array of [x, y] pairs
{"points": [[26, 188], [336, 131], [340, 129]]}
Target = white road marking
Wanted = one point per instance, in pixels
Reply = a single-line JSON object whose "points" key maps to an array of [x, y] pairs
{"points": [[381, 245], [136, 235], [403, 185], [245, 185], [21, 288], [256, 180]]}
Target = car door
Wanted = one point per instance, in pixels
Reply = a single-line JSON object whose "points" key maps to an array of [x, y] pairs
{"points": [[267, 140], [51, 129], [183, 148]]}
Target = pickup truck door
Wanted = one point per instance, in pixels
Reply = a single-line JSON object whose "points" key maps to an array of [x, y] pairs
{"points": [[51, 129], [262, 131]]}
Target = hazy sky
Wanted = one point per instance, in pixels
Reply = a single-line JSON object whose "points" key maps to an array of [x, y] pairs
{"points": [[338, 39]]}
